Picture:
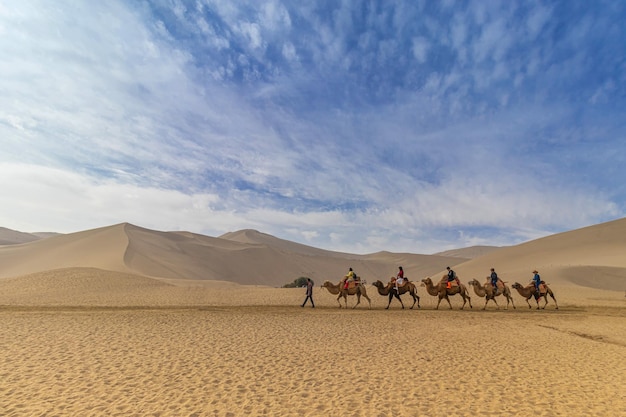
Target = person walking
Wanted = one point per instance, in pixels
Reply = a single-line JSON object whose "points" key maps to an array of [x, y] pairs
{"points": [[309, 293]]}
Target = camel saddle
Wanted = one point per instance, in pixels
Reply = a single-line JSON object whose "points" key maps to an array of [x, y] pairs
{"points": [[393, 280], [353, 283], [451, 284], [543, 288], [499, 284]]}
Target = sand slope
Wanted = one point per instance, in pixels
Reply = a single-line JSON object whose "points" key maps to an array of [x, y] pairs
{"points": [[593, 256], [13, 237], [95, 332], [257, 260], [470, 252]]}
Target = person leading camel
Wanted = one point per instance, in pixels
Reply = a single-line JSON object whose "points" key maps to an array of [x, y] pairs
{"points": [[399, 279], [309, 292]]}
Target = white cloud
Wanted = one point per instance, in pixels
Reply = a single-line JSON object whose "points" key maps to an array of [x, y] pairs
{"points": [[420, 48], [115, 118]]}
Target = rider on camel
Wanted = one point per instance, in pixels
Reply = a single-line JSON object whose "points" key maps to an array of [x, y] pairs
{"points": [[399, 279], [494, 280], [350, 276], [452, 277], [537, 281]]}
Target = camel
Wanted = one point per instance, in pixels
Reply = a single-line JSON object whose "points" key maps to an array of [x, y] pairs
{"points": [[529, 291], [358, 290], [390, 290], [486, 291], [442, 292]]}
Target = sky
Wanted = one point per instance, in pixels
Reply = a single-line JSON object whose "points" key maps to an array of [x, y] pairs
{"points": [[357, 126]]}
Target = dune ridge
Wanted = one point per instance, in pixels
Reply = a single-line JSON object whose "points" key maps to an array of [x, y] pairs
{"points": [[257, 260], [591, 257], [123, 321]]}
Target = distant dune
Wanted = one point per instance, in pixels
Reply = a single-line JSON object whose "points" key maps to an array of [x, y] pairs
{"points": [[123, 320], [13, 237], [469, 252], [591, 257], [246, 257]]}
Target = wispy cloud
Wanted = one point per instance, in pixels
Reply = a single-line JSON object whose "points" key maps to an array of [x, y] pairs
{"points": [[357, 126]]}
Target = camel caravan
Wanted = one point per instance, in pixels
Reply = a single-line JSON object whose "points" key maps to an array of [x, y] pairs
{"points": [[449, 285]]}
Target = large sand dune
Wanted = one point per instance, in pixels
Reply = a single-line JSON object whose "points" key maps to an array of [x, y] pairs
{"points": [[126, 321], [246, 257], [593, 257]]}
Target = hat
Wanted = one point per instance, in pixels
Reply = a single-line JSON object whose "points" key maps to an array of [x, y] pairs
{"points": [[535, 272]]}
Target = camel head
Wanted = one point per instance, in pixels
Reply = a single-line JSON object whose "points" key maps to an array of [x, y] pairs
{"points": [[378, 284], [427, 280], [517, 285], [327, 284], [474, 282]]}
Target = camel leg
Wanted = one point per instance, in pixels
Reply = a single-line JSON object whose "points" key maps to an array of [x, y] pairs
{"points": [[338, 297], [414, 301], [368, 301], [509, 299], [487, 298], [358, 301], [450, 304], [552, 295], [528, 302], [399, 299], [389, 303]]}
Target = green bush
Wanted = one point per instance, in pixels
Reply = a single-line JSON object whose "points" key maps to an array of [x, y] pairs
{"points": [[297, 283]]}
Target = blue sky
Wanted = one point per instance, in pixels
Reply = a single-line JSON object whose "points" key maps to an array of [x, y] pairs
{"points": [[408, 126]]}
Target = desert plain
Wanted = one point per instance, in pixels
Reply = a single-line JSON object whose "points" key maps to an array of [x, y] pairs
{"points": [[124, 321]]}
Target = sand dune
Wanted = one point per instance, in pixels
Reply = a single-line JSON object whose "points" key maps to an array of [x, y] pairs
{"points": [[469, 252], [13, 237], [119, 321], [84, 341], [256, 260], [591, 256]]}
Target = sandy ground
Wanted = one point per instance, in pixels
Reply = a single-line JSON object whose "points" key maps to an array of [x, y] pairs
{"points": [[224, 350]]}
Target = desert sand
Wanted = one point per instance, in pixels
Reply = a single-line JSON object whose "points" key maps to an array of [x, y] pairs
{"points": [[98, 338]]}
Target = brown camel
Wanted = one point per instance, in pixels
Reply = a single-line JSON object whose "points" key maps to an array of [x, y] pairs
{"points": [[357, 290], [390, 290], [486, 290], [529, 291], [442, 292]]}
